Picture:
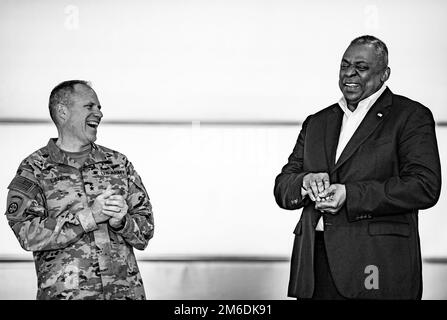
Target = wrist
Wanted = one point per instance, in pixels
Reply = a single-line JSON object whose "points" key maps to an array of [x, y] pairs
{"points": [[116, 224]]}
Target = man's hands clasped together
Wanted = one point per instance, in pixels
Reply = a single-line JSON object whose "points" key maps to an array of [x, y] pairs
{"points": [[110, 207], [328, 198]]}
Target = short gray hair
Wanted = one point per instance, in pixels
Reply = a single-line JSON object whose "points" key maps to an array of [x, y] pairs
{"points": [[379, 46], [61, 94]]}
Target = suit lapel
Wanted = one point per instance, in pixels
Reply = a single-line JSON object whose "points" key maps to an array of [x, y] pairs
{"points": [[372, 119], [333, 125]]}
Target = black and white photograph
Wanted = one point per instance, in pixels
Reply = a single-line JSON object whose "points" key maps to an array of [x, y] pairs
{"points": [[220, 150]]}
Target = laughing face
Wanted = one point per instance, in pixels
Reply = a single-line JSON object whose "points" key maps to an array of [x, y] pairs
{"points": [[361, 73], [84, 115]]}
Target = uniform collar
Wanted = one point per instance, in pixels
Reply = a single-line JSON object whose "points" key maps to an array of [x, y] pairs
{"points": [[57, 155]]}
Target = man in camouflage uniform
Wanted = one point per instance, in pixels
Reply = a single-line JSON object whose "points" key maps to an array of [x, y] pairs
{"points": [[80, 208]]}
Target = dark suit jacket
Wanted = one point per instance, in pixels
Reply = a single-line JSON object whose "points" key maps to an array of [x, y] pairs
{"points": [[391, 169]]}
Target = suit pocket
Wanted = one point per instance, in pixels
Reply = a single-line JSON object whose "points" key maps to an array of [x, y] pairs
{"points": [[377, 143], [298, 228], [401, 229]]}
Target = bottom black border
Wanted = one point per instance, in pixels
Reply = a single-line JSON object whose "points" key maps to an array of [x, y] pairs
{"points": [[221, 309]]}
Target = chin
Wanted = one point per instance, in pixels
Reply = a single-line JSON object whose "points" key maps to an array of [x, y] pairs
{"points": [[92, 139], [352, 97]]}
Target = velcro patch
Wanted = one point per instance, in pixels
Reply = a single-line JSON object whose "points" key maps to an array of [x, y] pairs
{"points": [[25, 186], [13, 207]]}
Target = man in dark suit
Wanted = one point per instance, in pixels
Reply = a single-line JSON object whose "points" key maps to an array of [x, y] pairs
{"points": [[361, 169]]}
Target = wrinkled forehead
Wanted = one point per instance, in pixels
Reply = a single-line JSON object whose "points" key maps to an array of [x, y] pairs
{"points": [[83, 93], [361, 52]]}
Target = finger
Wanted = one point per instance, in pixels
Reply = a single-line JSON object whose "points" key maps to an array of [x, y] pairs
{"points": [[324, 205], [317, 207], [110, 214], [314, 189], [310, 194], [323, 209], [326, 182], [113, 214], [327, 192], [117, 203], [112, 208], [116, 197], [108, 192], [320, 185], [306, 179]]}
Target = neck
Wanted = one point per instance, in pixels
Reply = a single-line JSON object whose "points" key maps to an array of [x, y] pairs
{"points": [[71, 145], [352, 107]]}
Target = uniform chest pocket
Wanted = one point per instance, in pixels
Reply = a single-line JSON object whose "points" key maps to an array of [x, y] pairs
{"points": [[61, 192], [103, 175]]}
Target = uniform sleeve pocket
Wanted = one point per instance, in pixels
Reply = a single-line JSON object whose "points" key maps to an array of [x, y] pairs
{"points": [[389, 228]]}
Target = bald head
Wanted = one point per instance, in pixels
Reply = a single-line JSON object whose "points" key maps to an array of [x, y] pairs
{"points": [[379, 46]]}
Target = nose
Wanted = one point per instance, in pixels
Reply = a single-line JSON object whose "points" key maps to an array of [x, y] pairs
{"points": [[349, 71], [97, 112]]}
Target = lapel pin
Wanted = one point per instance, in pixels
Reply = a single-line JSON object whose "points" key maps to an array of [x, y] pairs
{"points": [[380, 114]]}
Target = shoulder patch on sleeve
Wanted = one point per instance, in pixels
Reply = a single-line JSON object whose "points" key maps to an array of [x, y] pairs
{"points": [[25, 186], [12, 208]]}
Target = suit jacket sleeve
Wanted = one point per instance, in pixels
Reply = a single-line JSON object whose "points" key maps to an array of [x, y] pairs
{"points": [[288, 183], [418, 184]]}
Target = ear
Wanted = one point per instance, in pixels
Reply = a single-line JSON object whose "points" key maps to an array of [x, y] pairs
{"points": [[385, 74], [62, 112]]}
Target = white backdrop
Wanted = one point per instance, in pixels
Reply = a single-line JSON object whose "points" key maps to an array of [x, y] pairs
{"points": [[212, 59], [211, 186]]}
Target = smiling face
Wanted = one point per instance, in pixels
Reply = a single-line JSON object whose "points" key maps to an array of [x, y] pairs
{"points": [[82, 116], [362, 72]]}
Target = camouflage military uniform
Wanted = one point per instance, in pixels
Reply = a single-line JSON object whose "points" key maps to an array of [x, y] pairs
{"points": [[48, 210]]}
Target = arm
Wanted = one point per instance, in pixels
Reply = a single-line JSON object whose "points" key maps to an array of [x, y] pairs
{"points": [[288, 183], [418, 184], [27, 215], [138, 224]]}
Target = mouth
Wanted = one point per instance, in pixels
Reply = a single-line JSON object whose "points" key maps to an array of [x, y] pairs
{"points": [[93, 123], [352, 85]]}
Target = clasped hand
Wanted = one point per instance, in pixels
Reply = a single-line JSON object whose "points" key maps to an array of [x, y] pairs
{"points": [[328, 198], [110, 207]]}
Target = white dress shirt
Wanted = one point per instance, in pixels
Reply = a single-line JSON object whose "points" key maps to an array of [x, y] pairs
{"points": [[350, 123]]}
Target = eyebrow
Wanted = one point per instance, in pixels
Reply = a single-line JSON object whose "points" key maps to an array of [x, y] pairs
{"points": [[355, 62], [91, 104]]}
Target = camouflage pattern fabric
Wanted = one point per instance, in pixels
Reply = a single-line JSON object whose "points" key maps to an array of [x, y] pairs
{"points": [[48, 210]]}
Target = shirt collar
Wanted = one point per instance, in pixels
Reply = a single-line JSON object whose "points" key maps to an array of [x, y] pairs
{"points": [[58, 156], [363, 105]]}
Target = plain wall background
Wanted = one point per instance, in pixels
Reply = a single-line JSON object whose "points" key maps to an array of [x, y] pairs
{"points": [[212, 59], [211, 186]]}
